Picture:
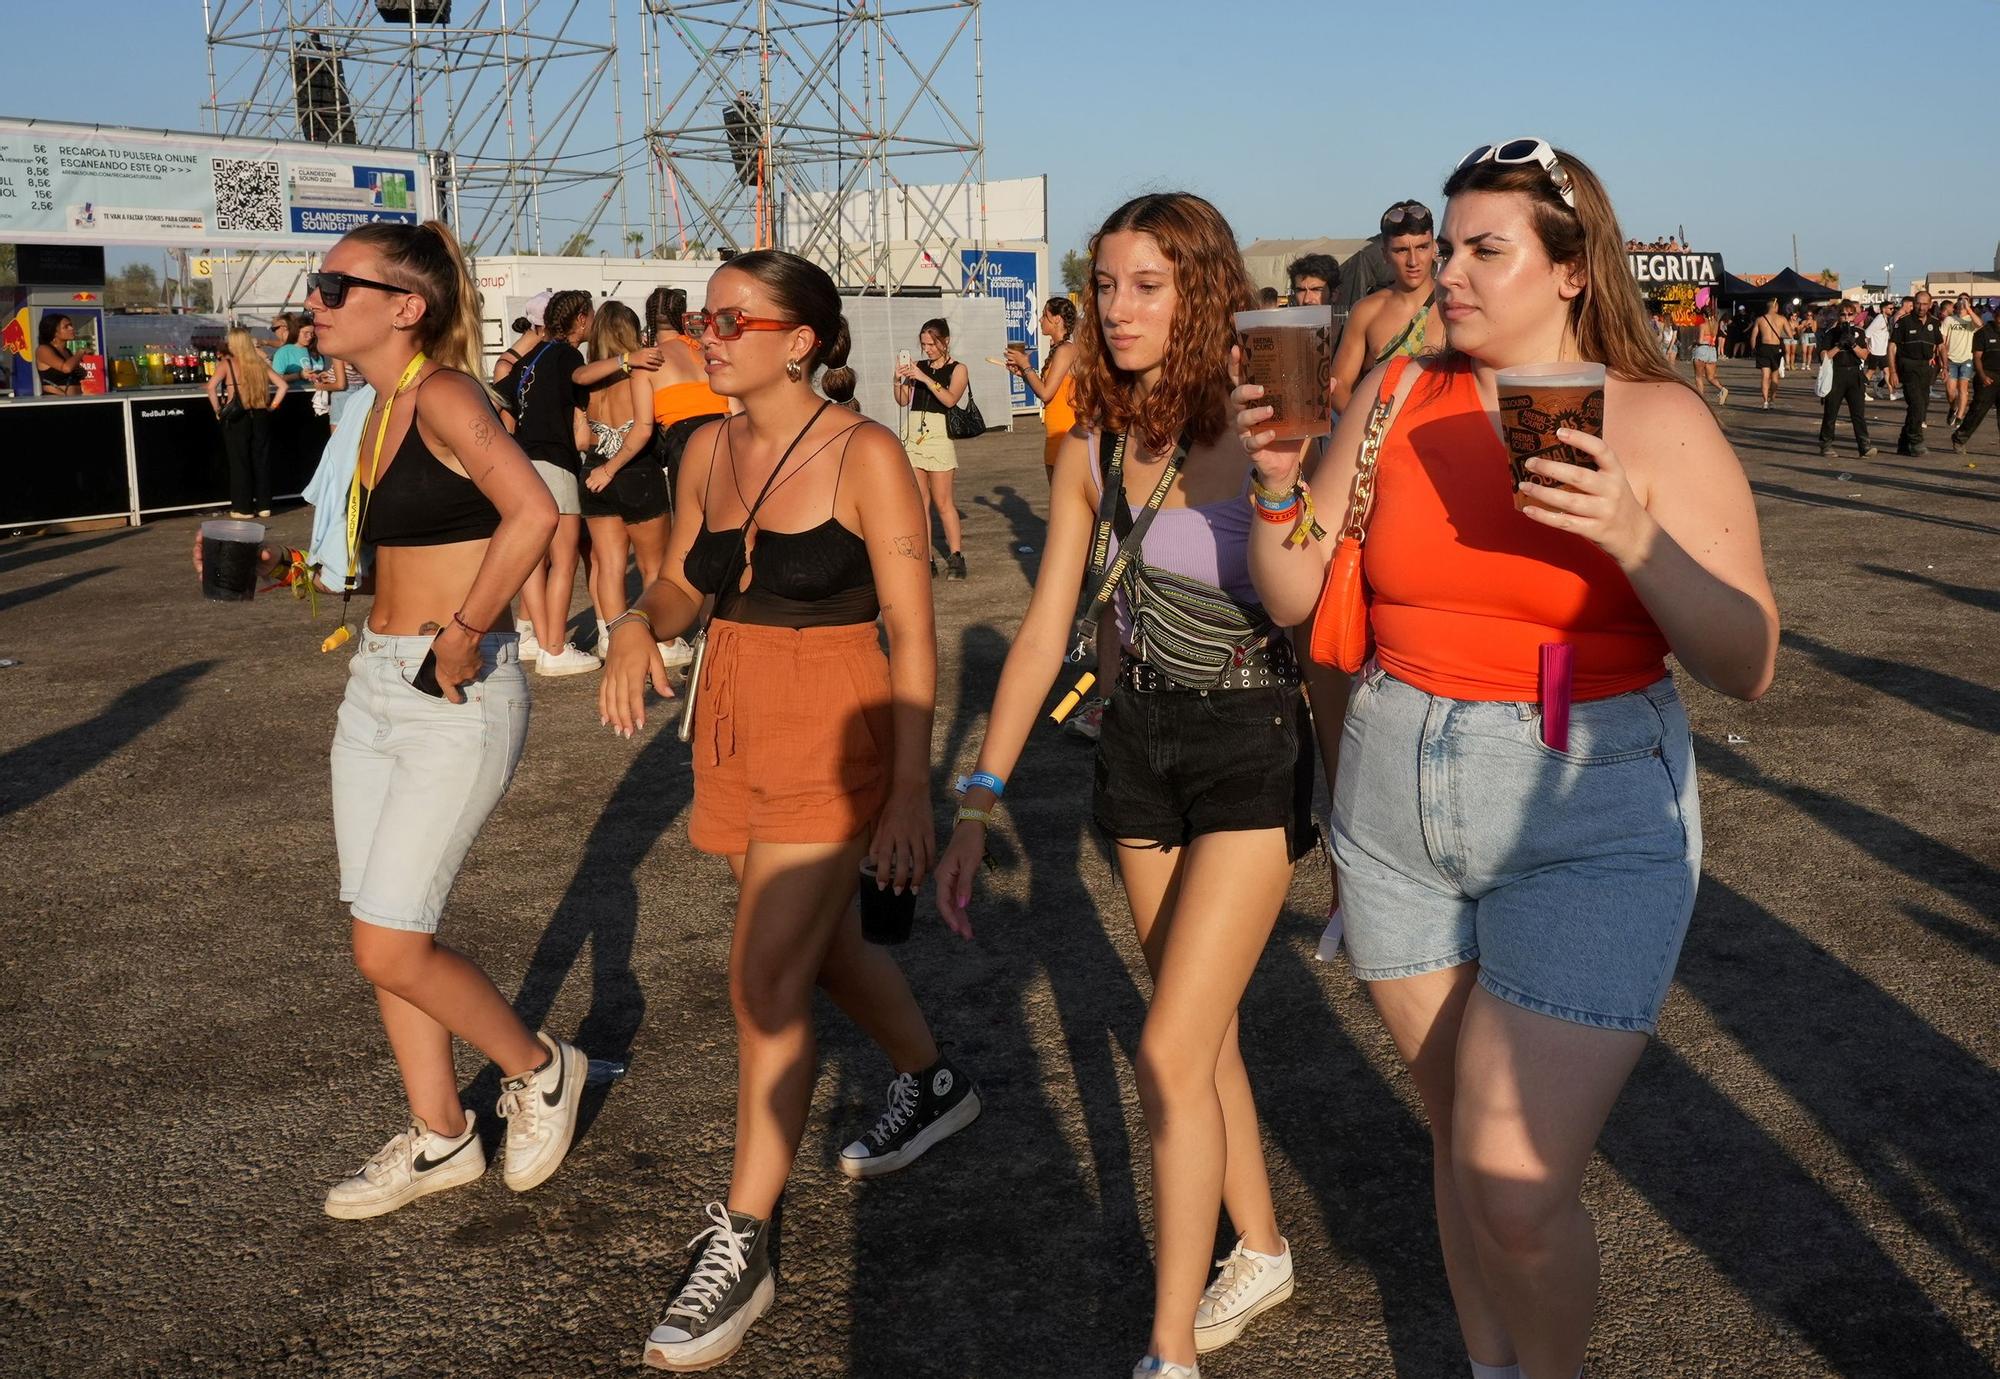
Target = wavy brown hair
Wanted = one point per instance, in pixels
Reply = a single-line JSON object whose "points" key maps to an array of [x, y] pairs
{"points": [[1210, 285], [1608, 318]]}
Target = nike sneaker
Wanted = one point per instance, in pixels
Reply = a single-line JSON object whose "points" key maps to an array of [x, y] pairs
{"points": [[540, 1109], [415, 1164], [728, 1286], [924, 1108]]}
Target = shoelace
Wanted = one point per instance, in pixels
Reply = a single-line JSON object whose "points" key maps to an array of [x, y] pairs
{"points": [[902, 1105], [521, 1107], [397, 1153], [722, 1262], [1239, 1271]]}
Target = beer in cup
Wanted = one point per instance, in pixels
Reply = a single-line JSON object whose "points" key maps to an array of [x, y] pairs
{"points": [[229, 559], [1537, 400], [1288, 351]]}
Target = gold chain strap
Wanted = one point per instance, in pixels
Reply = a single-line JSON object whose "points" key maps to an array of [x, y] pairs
{"points": [[1363, 504]]}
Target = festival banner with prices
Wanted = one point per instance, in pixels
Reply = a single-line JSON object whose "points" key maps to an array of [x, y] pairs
{"points": [[1009, 274]]}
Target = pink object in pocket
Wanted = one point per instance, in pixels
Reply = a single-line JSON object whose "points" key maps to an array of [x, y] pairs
{"points": [[1558, 661]]}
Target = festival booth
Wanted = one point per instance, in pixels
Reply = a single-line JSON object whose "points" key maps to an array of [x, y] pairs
{"points": [[1788, 287], [1680, 284], [142, 439]]}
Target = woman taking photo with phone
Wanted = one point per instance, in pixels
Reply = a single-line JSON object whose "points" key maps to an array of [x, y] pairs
{"points": [[1518, 903], [811, 751], [436, 708], [1204, 767], [1052, 383], [930, 388]]}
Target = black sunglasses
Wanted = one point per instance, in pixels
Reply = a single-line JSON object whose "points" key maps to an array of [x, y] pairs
{"points": [[332, 287]]}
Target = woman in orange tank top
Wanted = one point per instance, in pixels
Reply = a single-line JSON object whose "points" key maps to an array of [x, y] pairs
{"points": [[1515, 889], [1052, 383], [683, 402]]}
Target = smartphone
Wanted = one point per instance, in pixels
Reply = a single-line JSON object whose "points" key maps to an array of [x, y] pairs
{"points": [[427, 676], [902, 359]]}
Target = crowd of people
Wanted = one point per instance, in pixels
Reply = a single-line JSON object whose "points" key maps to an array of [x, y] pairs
{"points": [[1517, 851]]}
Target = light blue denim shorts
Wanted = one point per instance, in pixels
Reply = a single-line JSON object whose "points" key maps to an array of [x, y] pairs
{"points": [[1958, 373], [415, 776], [1569, 877]]}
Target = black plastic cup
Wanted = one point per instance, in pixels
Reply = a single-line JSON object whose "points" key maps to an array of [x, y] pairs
{"points": [[886, 917], [229, 560]]}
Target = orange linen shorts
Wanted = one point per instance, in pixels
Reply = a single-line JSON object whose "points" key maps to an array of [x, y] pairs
{"points": [[792, 736]]}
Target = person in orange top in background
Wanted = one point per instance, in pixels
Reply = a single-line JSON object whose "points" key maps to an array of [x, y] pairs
{"points": [[682, 402], [1516, 895], [1052, 383]]}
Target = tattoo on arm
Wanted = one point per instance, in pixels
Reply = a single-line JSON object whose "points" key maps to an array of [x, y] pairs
{"points": [[911, 546], [482, 432]]}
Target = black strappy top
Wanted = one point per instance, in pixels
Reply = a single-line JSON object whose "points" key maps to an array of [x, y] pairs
{"points": [[417, 501], [814, 578]]}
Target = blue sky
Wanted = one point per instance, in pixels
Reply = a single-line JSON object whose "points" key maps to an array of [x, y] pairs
{"points": [[1746, 122]]}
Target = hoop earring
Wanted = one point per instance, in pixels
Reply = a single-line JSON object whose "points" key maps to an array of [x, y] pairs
{"points": [[793, 371]]}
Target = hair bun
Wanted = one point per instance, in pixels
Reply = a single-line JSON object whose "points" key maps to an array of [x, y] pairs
{"points": [[835, 355]]}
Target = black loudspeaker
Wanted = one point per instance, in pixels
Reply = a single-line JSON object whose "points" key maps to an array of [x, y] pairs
{"points": [[744, 128], [326, 112], [422, 11]]}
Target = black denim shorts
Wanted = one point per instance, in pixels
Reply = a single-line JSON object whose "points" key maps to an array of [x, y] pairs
{"points": [[637, 492], [1176, 765]]}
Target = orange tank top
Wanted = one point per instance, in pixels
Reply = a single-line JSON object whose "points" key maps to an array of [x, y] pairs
{"points": [[1059, 412], [1464, 589], [677, 402]]}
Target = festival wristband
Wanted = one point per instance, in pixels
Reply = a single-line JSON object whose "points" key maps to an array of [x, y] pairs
{"points": [[1279, 516], [638, 613], [984, 779], [968, 815], [1280, 497]]}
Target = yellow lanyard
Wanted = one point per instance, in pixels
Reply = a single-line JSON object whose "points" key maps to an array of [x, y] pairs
{"points": [[357, 503]]}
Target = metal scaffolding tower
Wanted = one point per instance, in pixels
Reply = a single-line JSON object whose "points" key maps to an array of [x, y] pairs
{"points": [[499, 94], [819, 126]]}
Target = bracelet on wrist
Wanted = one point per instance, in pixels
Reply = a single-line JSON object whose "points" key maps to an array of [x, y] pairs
{"points": [[1281, 497], [638, 613], [968, 815], [459, 618], [1277, 516], [978, 779]]}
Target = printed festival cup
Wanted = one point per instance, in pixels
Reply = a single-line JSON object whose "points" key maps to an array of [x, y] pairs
{"points": [[229, 560], [1288, 351], [886, 916], [1537, 400]]}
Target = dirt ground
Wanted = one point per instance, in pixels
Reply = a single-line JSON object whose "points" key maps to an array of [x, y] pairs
{"points": [[1801, 1179]]}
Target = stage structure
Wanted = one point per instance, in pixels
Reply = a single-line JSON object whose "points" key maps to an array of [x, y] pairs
{"points": [[499, 94], [832, 128]]}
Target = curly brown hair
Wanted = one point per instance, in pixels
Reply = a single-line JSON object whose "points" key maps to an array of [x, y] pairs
{"points": [[1210, 285]]}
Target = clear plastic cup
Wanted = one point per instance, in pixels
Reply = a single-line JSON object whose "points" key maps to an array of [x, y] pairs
{"points": [[229, 559], [1537, 400], [1288, 351]]}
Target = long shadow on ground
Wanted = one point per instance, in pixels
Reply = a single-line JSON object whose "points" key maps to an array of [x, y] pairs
{"points": [[38, 769]]}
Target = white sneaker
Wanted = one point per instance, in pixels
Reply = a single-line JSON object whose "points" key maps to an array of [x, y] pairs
{"points": [[414, 1164], [530, 648], [1249, 1284], [677, 653], [1153, 1367], [569, 661], [540, 1109]]}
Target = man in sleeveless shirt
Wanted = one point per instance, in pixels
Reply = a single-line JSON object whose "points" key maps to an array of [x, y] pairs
{"points": [[1768, 339], [1402, 318]]}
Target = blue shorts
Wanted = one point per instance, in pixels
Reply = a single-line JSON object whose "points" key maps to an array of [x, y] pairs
{"points": [[1569, 877], [1704, 354], [415, 776], [1958, 373]]}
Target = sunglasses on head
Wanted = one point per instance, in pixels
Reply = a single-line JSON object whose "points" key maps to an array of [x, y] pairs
{"points": [[729, 323], [1525, 151], [332, 287], [1413, 213]]}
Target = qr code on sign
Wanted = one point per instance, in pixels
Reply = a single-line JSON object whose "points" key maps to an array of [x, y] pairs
{"points": [[247, 195]]}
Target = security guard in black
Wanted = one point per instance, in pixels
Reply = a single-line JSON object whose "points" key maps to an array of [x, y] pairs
{"points": [[1986, 367], [1913, 350], [1845, 345]]}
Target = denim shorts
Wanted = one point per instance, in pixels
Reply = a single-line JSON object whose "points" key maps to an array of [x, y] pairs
{"points": [[1704, 354], [1174, 765], [415, 776], [1569, 877], [1958, 373]]}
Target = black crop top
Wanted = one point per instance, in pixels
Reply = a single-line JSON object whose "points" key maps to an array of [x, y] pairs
{"points": [[922, 399], [814, 578], [419, 502]]}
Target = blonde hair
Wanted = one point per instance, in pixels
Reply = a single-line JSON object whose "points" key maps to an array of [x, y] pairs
{"points": [[427, 259], [614, 330], [247, 363]]}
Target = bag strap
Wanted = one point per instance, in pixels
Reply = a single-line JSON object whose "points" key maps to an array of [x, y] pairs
{"points": [[1107, 570], [1416, 322], [742, 556], [1396, 383]]}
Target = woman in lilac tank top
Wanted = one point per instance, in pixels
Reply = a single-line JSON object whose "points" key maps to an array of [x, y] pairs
{"points": [[1204, 779]]}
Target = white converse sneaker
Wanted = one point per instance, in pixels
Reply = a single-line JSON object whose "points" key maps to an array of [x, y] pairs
{"points": [[540, 1108], [530, 647], [1153, 1367], [414, 1164], [1248, 1284], [676, 653], [728, 1286], [570, 660]]}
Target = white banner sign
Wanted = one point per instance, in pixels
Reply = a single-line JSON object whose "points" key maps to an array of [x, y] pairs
{"points": [[105, 185]]}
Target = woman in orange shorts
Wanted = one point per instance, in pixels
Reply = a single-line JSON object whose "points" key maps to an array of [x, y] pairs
{"points": [[1053, 383], [811, 750]]}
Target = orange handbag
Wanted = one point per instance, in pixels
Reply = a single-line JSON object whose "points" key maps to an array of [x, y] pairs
{"points": [[1340, 635]]}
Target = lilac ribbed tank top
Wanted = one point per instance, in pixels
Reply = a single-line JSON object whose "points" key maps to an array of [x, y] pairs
{"points": [[1210, 543]]}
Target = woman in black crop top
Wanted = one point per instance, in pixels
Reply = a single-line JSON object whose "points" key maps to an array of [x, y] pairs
{"points": [[60, 372], [930, 387], [811, 749], [436, 708]]}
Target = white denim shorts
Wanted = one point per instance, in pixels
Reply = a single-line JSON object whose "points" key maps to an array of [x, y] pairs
{"points": [[414, 776]]}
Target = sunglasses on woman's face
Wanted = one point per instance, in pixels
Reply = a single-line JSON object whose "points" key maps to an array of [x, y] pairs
{"points": [[332, 287], [729, 323]]}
